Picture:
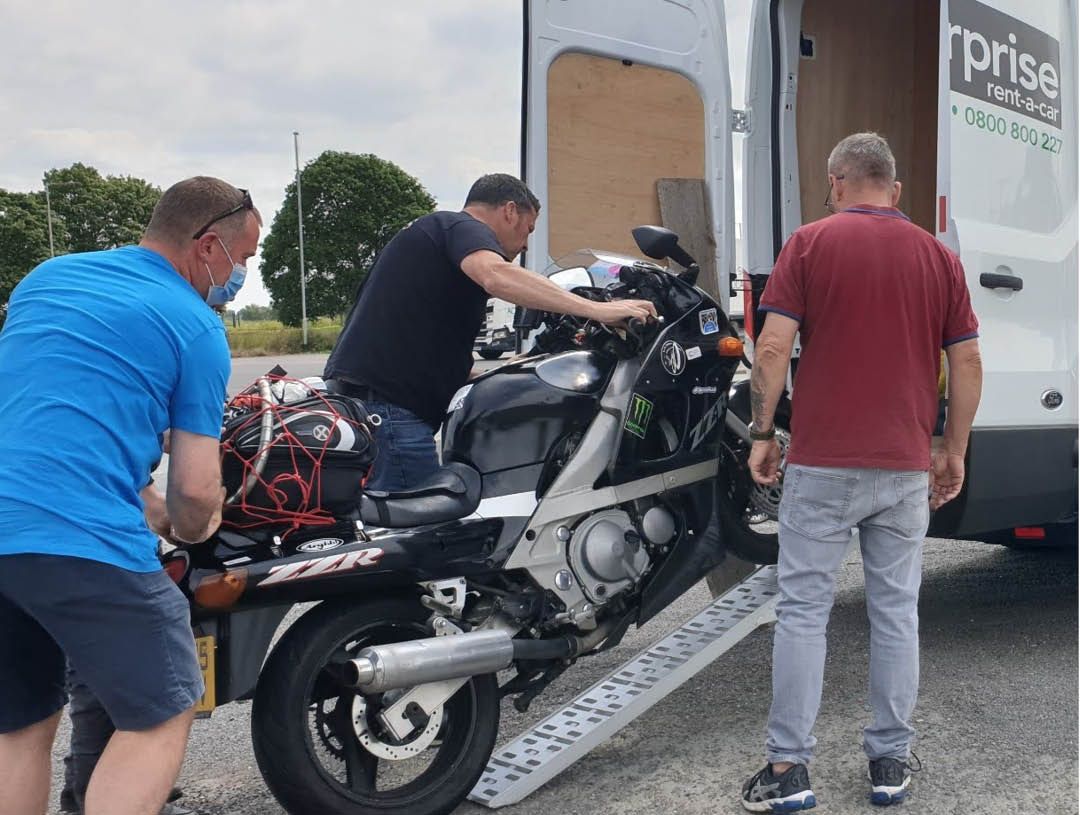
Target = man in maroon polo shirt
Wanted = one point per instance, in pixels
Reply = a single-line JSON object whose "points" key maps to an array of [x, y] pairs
{"points": [[874, 299]]}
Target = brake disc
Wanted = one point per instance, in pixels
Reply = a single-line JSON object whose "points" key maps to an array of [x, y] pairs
{"points": [[766, 499], [413, 746]]}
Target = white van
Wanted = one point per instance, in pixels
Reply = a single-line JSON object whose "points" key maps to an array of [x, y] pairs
{"points": [[979, 103]]}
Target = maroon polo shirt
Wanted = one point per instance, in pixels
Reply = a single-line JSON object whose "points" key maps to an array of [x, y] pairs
{"points": [[877, 298]]}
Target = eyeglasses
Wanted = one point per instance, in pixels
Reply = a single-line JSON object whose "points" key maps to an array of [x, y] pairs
{"points": [[245, 203], [828, 195]]}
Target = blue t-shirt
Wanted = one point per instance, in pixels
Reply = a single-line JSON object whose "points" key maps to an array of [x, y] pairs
{"points": [[100, 354]]}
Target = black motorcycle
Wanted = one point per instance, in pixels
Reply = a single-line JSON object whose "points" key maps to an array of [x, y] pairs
{"points": [[584, 488]]}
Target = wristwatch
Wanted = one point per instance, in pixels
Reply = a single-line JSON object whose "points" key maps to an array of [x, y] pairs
{"points": [[762, 435], [173, 536]]}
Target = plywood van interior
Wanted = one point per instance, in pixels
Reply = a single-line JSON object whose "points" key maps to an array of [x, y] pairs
{"points": [[869, 66], [614, 128]]}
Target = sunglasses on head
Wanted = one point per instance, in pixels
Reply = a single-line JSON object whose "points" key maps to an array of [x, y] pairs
{"points": [[245, 203]]}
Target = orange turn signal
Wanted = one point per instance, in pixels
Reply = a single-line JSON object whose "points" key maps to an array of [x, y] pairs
{"points": [[221, 590], [729, 347]]}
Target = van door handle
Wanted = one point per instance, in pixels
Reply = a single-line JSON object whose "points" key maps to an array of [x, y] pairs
{"points": [[994, 280]]}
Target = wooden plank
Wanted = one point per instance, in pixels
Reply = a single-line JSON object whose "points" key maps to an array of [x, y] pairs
{"points": [[613, 130], [684, 209]]}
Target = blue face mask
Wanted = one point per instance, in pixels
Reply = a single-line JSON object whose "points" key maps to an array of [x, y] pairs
{"points": [[220, 295]]}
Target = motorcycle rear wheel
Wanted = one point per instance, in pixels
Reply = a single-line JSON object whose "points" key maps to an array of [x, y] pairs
{"points": [[748, 512], [306, 743]]}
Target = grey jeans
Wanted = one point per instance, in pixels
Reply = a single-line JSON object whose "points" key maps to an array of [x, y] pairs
{"points": [[820, 507]]}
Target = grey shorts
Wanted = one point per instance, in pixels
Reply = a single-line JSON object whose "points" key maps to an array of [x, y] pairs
{"points": [[127, 634]]}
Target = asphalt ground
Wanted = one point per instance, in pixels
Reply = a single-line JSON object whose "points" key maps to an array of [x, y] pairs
{"points": [[997, 712]]}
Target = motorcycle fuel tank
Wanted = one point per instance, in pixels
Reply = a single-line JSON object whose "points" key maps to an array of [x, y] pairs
{"points": [[511, 417]]}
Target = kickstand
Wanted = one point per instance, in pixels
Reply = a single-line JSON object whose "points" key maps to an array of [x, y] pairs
{"points": [[528, 688]]}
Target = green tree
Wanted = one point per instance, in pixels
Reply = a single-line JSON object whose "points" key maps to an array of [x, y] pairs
{"points": [[24, 239], [254, 312], [353, 205], [100, 212]]}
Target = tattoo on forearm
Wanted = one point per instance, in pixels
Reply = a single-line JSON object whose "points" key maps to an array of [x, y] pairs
{"points": [[758, 397]]}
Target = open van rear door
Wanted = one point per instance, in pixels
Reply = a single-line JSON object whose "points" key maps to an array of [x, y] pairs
{"points": [[619, 94], [1008, 197], [1007, 187]]}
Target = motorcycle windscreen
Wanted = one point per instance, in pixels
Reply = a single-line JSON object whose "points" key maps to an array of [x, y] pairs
{"points": [[626, 121]]}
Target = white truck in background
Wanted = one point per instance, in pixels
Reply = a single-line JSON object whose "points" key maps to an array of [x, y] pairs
{"points": [[977, 99], [498, 335]]}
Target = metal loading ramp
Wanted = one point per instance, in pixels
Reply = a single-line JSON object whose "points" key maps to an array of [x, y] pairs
{"points": [[535, 757]]}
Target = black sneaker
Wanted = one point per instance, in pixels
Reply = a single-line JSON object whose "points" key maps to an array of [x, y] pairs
{"points": [[68, 804], [787, 792], [889, 779]]}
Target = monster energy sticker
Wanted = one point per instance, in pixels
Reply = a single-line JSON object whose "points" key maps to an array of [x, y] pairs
{"points": [[637, 420]]}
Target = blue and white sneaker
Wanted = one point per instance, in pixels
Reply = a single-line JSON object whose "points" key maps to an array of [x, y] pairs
{"points": [[784, 792], [889, 779]]}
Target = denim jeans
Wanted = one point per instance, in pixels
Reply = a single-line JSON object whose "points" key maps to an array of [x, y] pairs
{"points": [[407, 454], [820, 507]]}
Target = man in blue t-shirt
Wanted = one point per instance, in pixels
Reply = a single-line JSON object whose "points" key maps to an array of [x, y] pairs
{"points": [[407, 344], [101, 354]]}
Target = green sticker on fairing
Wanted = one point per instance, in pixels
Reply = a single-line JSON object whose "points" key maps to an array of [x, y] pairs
{"points": [[638, 418]]}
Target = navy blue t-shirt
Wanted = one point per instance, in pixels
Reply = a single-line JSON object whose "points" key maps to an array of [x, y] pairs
{"points": [[100, 354], [410, 335]]}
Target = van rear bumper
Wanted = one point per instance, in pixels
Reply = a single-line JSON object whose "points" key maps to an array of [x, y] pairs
{"points": [[1016, 476]]}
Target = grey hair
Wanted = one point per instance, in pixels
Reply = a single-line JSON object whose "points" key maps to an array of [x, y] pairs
{"points": [[863, 158], [188, 205]]}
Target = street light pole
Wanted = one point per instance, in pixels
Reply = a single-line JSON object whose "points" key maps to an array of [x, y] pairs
{"points": [[300, 222], [48, 217]]}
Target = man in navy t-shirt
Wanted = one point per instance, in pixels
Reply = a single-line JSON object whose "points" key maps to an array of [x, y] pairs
{"points": [[102, 353], [407, 344]]}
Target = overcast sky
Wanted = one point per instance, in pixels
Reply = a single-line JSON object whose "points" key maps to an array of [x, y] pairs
{"points": [[167, 90]]}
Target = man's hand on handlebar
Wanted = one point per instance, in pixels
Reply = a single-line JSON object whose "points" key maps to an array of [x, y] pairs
{"points": [[619, 312]]}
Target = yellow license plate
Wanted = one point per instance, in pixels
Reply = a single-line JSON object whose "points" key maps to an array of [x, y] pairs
{"points": [[205, 649]]}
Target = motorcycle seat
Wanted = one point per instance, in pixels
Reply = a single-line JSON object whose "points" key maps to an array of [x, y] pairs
{"points": [[452, 492]]}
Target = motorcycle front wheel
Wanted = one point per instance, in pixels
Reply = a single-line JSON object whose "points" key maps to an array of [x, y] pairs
{"points": [[320, 745]]}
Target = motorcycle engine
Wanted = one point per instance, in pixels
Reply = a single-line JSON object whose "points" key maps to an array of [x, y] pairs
{"points": [[607, 553]]}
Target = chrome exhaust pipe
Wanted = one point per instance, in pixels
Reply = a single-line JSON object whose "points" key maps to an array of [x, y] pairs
{"points": [[417, 662]]}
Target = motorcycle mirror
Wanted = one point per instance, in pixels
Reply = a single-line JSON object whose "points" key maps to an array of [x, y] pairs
{"points": [[527, 318], [660, 243]]}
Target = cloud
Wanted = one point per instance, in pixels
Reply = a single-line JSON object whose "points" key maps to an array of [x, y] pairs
{"points": [[167, 90]]}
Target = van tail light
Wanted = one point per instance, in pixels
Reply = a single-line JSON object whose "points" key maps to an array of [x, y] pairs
{"points": [[176, 566], [730, 347], [1029, 533], [221, 590], [748, 307]]}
